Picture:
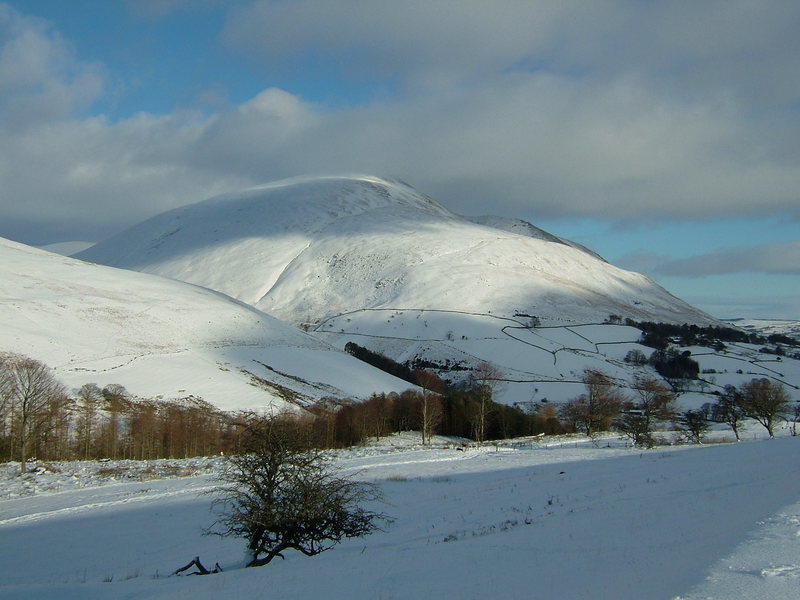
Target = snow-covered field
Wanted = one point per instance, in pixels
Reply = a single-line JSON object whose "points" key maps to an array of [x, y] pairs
{"points": [[544, 362], [532, 519]]}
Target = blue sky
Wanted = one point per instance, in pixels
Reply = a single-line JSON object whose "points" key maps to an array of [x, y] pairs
{"points": [[665, 136]]}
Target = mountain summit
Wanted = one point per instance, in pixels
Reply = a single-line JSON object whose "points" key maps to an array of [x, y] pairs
{"points": [[309, 249]]}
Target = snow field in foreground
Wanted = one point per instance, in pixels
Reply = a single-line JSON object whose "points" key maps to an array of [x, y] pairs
{"points": [[718, 521]]}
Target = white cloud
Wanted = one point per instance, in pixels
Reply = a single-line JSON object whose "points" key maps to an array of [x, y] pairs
{"points": [[40, 77], [638, 111]]}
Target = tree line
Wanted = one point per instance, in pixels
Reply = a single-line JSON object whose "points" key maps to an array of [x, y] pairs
{"points": [[40, 418]]}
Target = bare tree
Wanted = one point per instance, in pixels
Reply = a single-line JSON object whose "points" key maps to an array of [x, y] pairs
{"points": [[765, 401], [375, 415], [794, 415], [88, 399], [546, 417], [431, 406], [596, 409], [636, 357], [5, 400], [729, 410], [53, 439], [115, 401], [655, 404], [693, 424], [486, 378], [280, 496], [29, 390]]}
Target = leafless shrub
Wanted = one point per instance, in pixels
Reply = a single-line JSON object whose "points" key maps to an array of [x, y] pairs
{"points": [[280, 496]]}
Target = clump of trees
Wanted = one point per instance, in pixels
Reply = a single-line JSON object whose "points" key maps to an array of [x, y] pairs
{"points": [[761, 399], [595, 410], [653, 406], [32, 407], [40, 417], [606, 407], [380, 361], [459, 412], [673, 364]]}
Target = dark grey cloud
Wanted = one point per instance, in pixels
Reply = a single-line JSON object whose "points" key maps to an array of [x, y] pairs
{"points": [[743, 47], [424, 43], [779, 258]]}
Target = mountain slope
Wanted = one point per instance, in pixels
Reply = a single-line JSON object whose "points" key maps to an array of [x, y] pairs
{"points": [[309, 249], [165, 338]]}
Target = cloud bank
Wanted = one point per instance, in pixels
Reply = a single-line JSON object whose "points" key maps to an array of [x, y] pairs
{"points": [[625, 111]]}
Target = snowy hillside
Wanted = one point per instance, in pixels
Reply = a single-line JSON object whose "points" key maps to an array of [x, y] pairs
{"points": [[159, 337], [309, 249], [564, 520], [372, 261], [543, 363]]}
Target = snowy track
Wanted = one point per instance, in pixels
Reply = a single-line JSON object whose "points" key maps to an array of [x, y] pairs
{"points": [[72, 502]]}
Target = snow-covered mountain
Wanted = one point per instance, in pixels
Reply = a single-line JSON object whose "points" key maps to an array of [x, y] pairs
{"points": [[372, 261], [159, 337], [309, 249]]}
